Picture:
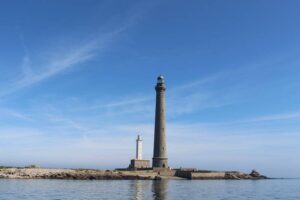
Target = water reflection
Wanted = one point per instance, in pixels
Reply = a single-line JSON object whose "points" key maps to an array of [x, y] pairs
{"points": [[159, 189], [139, 188], [145, 189]]}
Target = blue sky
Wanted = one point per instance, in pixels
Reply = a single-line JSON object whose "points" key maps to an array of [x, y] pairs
{"points": [[77, 83]]}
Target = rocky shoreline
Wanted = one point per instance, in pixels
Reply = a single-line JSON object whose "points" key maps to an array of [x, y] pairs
{"points": [[90, 174]]}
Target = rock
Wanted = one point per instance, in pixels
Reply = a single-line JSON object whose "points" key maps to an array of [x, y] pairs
{"points": [[231, 176], [33, 166], [256, 175]]}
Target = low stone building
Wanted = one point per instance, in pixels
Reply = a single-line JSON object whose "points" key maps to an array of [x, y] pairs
{"points": [[139, 164]]}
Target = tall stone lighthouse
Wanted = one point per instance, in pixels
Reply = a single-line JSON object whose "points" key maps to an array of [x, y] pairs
{"points": [[160, 148]]}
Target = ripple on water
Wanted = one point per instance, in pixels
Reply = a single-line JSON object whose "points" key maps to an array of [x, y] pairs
{"points": [[146, 189]]}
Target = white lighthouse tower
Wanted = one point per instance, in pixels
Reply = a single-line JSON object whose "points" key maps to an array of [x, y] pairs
{"points": [[138, 162], [139, 148]]}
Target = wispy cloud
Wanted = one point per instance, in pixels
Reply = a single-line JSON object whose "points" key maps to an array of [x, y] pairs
{"points": [[115, 104], [19, 135], [35, 69], [59, 64], [181, 99], [4, 112], [51, 67], [283, 116], [259, 119], [197, 95]]}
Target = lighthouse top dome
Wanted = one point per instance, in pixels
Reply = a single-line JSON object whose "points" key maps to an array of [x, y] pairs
{"points": [[160, 79]]}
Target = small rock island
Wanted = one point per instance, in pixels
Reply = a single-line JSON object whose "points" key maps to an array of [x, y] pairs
{"points": [[138, 168], [146, 174]]}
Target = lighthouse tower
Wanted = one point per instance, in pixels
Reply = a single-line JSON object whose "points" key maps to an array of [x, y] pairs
{"points": [[138, 162], [160, 159], [139, 148]]}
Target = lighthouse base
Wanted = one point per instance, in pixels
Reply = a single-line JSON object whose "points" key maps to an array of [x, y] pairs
{"points": [[139, 164], [159, 162]]}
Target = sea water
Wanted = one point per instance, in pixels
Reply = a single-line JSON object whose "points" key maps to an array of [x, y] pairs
{"points": [[146, 189]]}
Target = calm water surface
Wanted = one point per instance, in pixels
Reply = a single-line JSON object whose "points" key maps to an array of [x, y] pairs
{"points": [[144, 189]]}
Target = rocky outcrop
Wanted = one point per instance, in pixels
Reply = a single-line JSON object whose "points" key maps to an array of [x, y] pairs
{"points": [[238, 175], [88, 174], [41, 173], [227, 175], [256, 175]]}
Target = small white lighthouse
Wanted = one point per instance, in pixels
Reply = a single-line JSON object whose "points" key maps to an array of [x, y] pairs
{"points": [[139, 148], [138, 162]]}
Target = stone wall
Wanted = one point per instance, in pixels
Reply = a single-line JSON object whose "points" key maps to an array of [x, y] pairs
{"points": [[184, 174], [139, 164], [164, 171], [209, 175], [200, 174]]}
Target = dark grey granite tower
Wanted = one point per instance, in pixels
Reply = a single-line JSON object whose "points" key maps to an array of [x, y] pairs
{"points": [[160, 149]]}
